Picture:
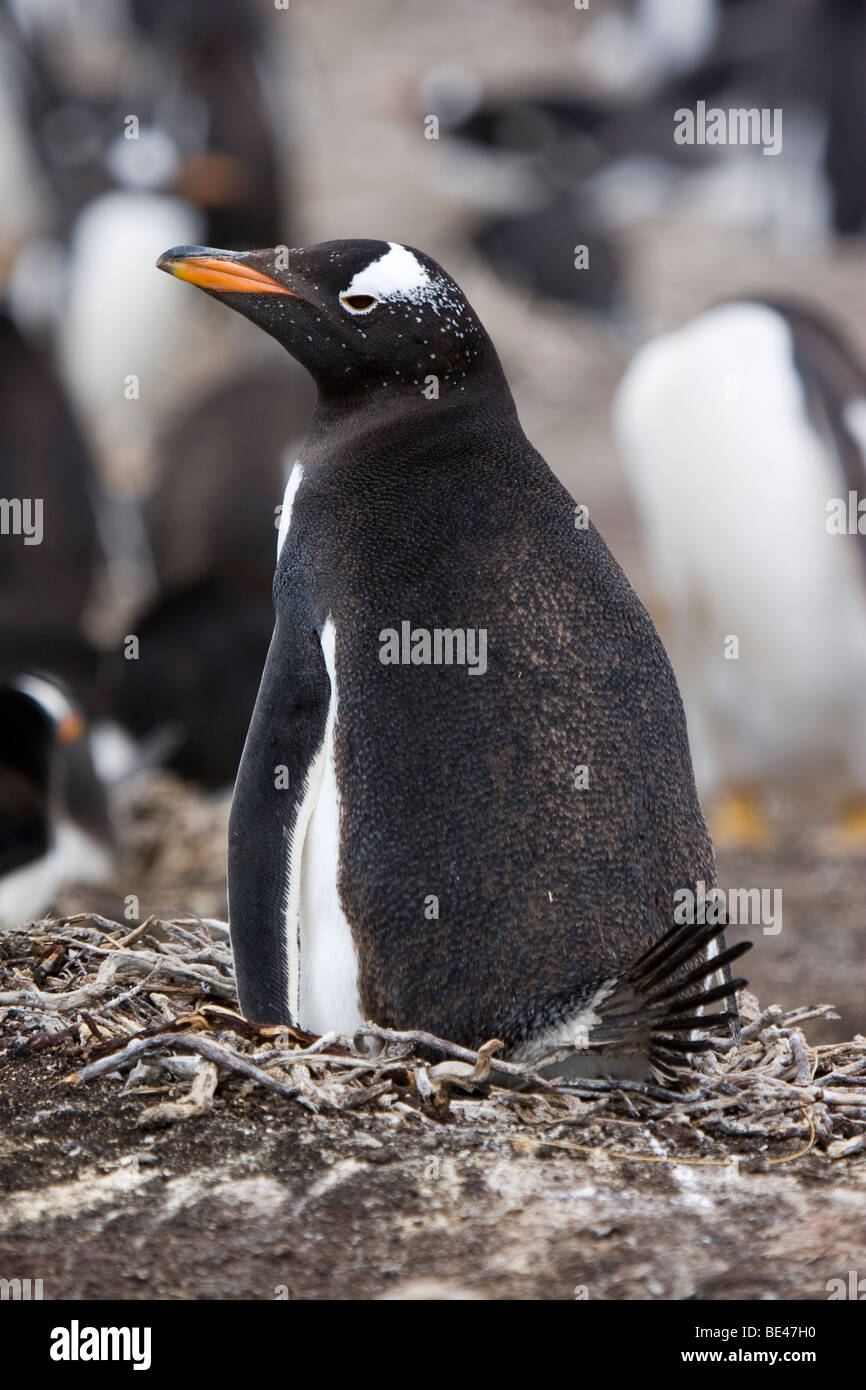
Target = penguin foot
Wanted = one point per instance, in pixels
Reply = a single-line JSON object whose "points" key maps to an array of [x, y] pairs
{"points": [[737, 821]]}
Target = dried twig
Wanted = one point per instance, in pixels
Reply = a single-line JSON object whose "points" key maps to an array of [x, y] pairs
{"points": [[197, 1101], [417, 1038], [184, 1042]]}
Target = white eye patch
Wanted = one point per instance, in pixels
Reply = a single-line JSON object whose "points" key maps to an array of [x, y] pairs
{"points": [[395, 275]]}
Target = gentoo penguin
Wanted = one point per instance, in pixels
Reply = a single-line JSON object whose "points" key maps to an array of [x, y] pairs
{"points": [[54, 822], [743, 434], [465, 801]]}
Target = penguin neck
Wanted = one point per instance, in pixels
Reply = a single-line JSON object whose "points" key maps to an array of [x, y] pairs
{"points": [[484, 396]]}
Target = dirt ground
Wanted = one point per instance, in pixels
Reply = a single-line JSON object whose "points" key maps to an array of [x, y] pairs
{"points": [[346, 1180], [819, 956], [260, 1199]]}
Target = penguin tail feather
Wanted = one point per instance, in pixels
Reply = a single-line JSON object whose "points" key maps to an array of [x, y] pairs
{"points": [[654, 1005]]}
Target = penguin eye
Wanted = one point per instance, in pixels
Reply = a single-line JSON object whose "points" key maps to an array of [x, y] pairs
{"points": [[358, 303]]}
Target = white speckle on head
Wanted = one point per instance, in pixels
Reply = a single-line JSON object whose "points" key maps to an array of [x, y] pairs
{"points": [[396, 275], [292, 486]]}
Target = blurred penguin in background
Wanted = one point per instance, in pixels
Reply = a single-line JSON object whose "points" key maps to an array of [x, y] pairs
{"points": [[50, 556], [212, 522], [55, 826], [139, 125], [54, 821], [148, 122], [743, 435], [569, 167]]}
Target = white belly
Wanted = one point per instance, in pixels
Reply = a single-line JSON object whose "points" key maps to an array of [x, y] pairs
{"points": [[328, 986]]}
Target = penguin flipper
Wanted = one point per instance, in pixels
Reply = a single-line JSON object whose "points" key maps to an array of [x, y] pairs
{"points": [[653, 1005], [270, 809]]}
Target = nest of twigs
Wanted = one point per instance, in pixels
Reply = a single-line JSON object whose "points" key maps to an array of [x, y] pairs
{"points": [[155, 1007]]}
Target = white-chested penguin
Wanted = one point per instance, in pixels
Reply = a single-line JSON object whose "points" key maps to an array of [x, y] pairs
{"points": [[744, 437], [465, 802]]}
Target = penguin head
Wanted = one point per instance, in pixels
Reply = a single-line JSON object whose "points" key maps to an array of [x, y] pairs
{"points": [[42, 703], [45, 745], [31, 712], [356, 314]]}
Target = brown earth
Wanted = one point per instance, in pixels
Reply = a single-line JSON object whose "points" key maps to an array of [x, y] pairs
{"points": [[260, 1198]]}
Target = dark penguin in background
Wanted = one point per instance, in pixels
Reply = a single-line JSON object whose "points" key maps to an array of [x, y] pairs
{"points": [[43, 457], [483, 848], [586, 163], [54, 821], [50, 551], [212, 523]]}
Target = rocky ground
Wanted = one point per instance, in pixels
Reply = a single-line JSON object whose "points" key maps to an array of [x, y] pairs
{"points": [[155, 1145], [260, 1199]]}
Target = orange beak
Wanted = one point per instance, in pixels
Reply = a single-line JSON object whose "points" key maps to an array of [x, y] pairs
{"points": [[210, 272]]}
